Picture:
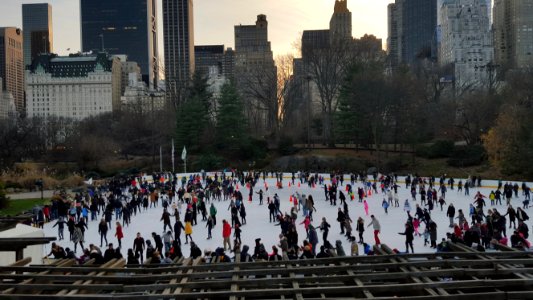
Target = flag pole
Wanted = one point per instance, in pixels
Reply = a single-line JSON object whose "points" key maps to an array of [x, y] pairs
{"points": [[172, 156], [160, 159], [184, 158]]}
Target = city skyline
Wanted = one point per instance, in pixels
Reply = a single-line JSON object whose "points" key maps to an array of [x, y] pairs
{"points": [[214, 20]]}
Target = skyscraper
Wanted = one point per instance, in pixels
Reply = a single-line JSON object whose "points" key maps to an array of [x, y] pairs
{"points": [[208, 56], [393, 39], [123, 27], [37, 27], [178, 31], [416, 24], [12, 64], [340, 24], [466, 41], [255, 74], [513, 33]]}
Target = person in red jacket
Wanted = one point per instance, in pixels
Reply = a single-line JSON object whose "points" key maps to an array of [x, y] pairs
{"points": [[226, 233], [119, 235]]}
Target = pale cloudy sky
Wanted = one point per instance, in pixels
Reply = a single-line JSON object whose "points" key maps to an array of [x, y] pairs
{"points": [[214, 19]]}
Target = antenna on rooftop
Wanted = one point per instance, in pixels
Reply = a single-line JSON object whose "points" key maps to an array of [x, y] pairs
{"points": [[102, 37]]}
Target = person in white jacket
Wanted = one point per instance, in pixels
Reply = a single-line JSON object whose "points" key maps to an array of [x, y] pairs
{"points": [[377, 228]]}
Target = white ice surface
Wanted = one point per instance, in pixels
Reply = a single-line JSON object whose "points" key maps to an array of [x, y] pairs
{"points": [[258, 225]]}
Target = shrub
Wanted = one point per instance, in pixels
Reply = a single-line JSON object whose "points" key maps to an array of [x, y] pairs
{"points": [[466, 156], [253, 149], [439, 149], [394, 165], [72, 181], [286, 146], [209, 162]]}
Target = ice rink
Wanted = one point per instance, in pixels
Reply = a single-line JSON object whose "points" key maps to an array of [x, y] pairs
{"points": [[258, 225]]}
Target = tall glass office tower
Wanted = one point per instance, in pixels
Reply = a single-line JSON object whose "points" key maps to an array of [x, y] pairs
{"points": [[123, 27], [37, 27]]}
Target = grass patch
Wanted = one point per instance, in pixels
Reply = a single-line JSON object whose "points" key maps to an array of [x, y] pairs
{"points": [[16, 207]]}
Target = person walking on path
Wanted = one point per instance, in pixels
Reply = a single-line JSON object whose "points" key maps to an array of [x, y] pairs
{"points": [[377, 228]]}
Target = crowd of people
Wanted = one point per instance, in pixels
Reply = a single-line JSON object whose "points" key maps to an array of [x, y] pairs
{"points": [[118, 202]]}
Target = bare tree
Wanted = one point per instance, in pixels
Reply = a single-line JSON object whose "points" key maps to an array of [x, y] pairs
{"points": [[287, 89], [258, 87], [327, 67]]}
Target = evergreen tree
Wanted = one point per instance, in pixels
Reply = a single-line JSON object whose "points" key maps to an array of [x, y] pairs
{"points": [[191, 123], [231, 123], [199, 89], [346, 117], [193, 117]]}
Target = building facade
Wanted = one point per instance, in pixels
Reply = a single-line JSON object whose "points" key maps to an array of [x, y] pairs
{"points": [[412, 27], [38, 33], [208, 56], [127, 69], [466, 41], [513, 33], [255, 75], [75, 86], [139, 99], [123, 27], [313, 40], [12, 64], [178, 31], [8, 111]]}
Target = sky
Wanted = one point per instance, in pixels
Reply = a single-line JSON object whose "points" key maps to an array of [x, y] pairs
{"points": [[214, 20]]}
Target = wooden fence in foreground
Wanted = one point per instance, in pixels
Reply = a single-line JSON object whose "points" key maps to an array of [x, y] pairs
{"points": [[461, 274]]}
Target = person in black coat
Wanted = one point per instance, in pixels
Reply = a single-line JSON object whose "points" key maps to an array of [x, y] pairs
{"points": [[195, 251], [178, 226], [433, 234], [158, 242], [409, 237], [341, 217], [132, 258], [109, 253], [450, 213]]}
